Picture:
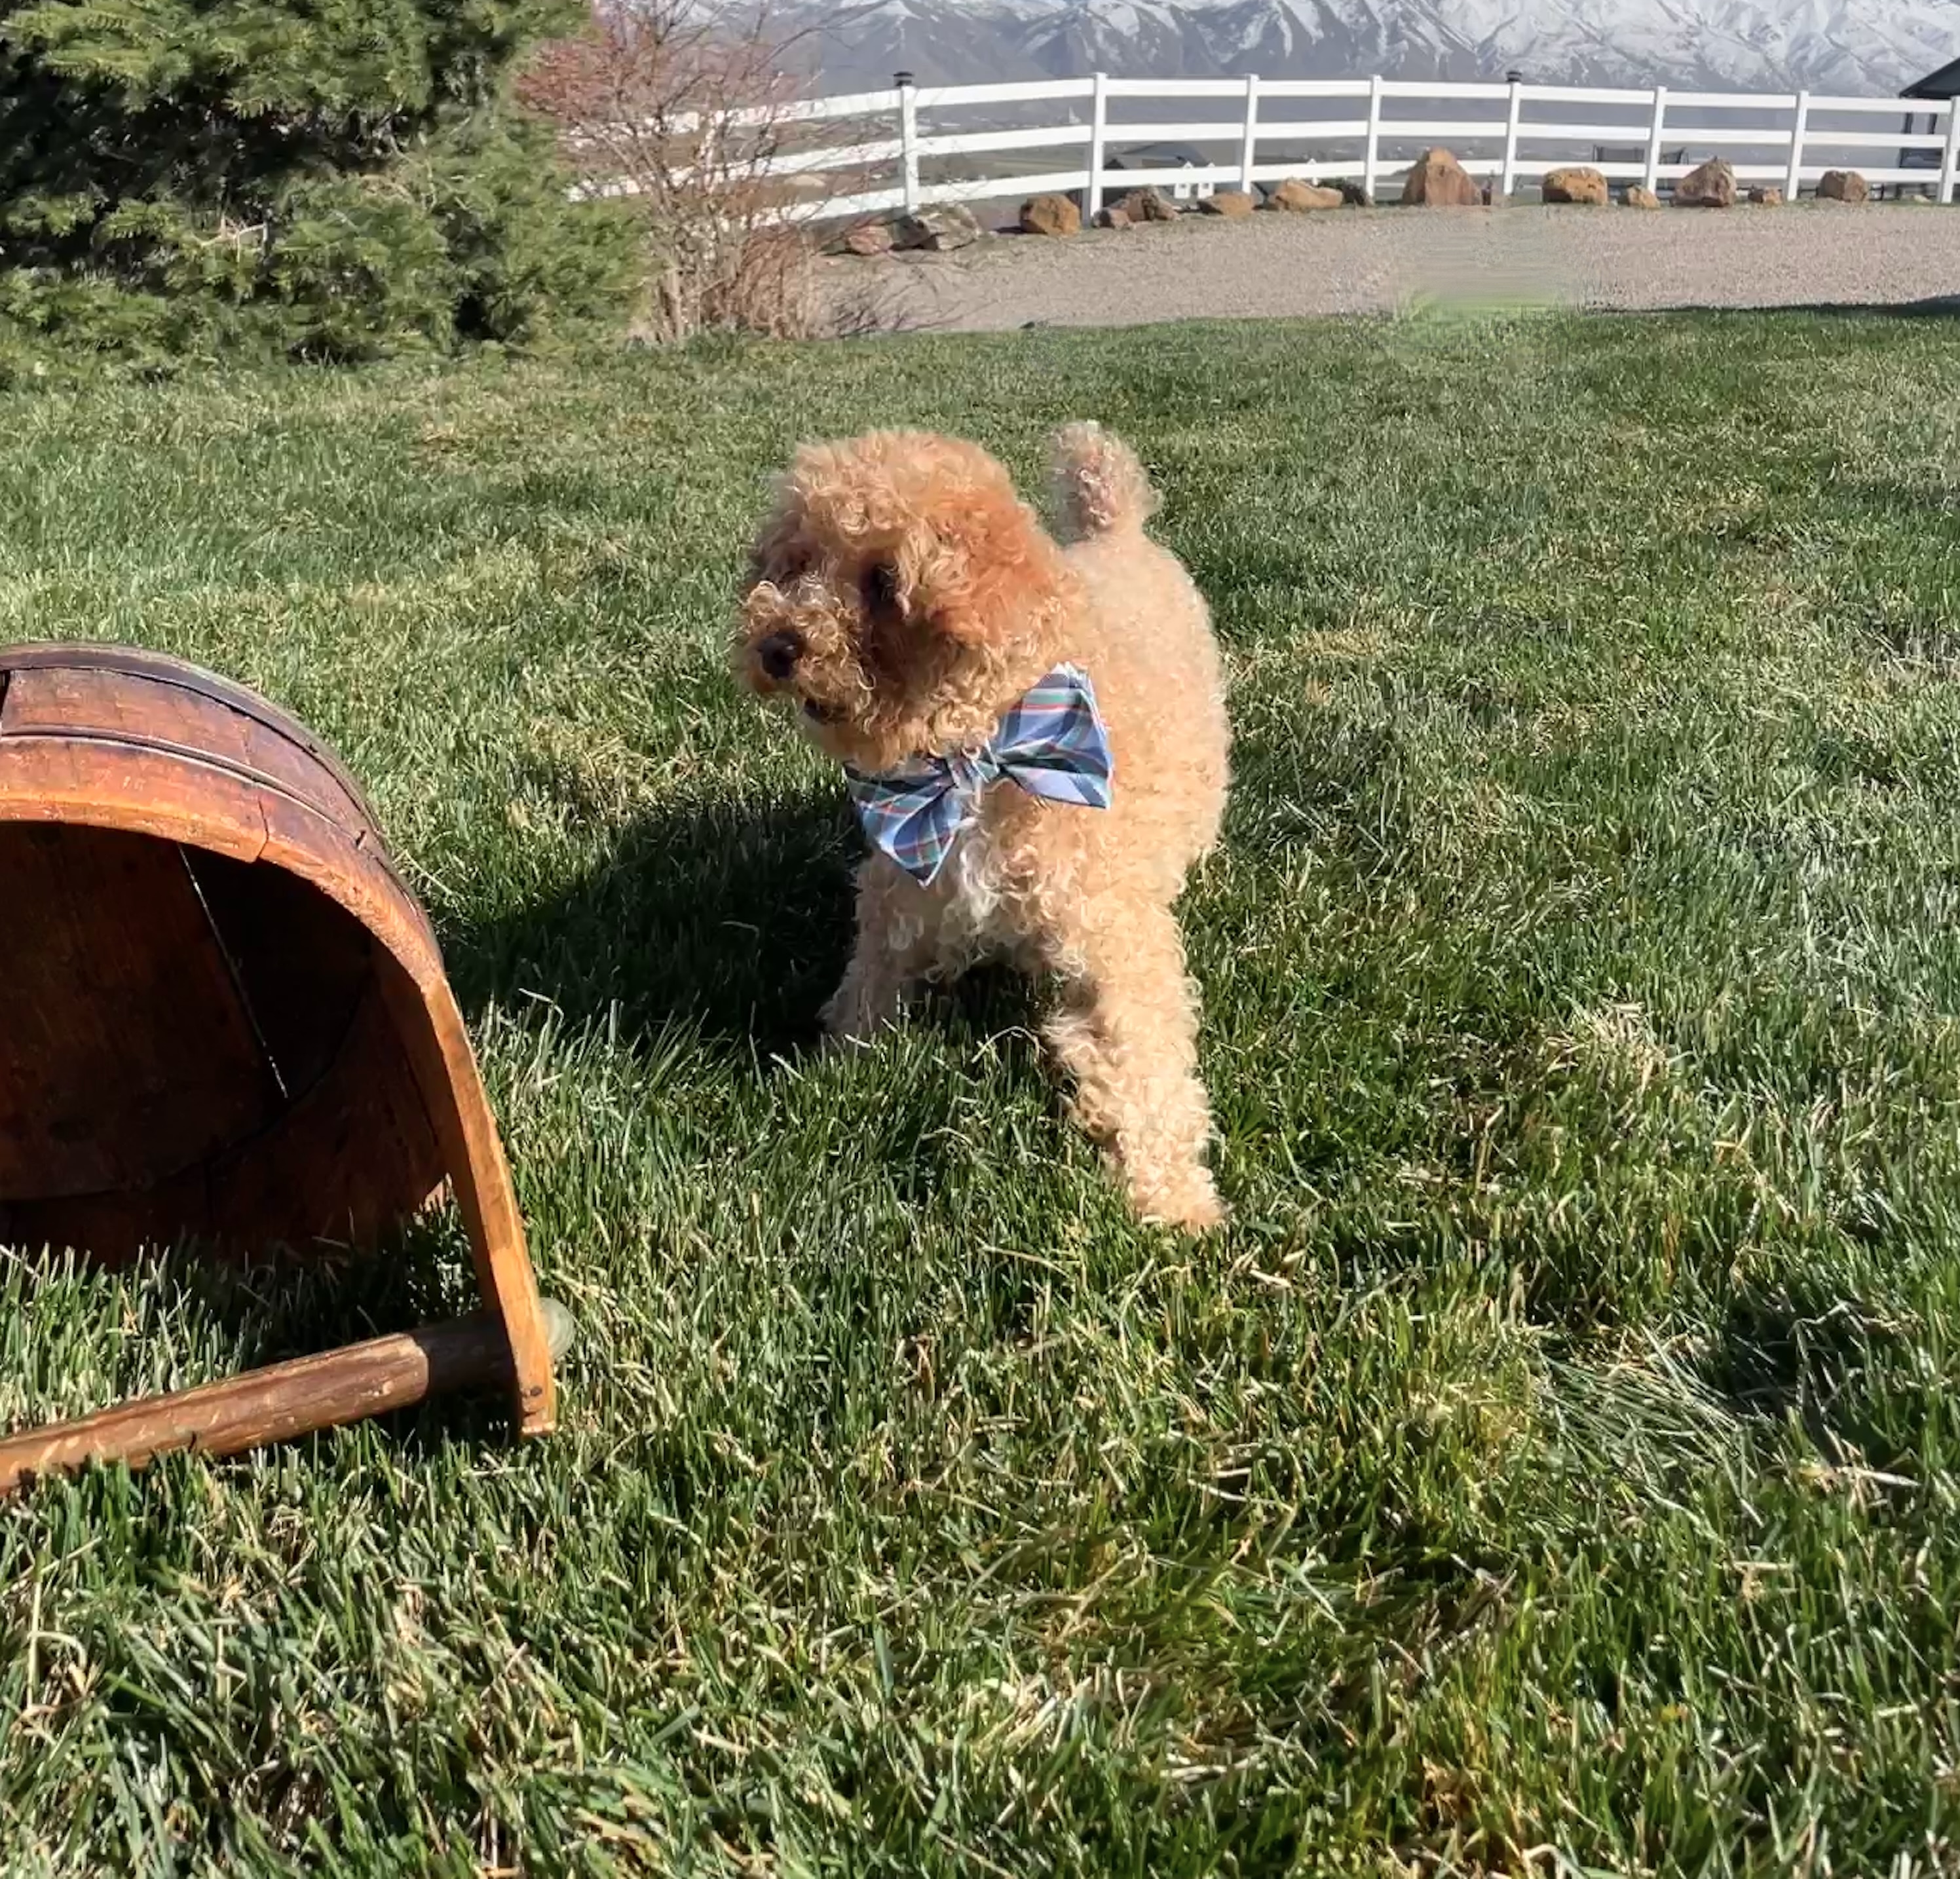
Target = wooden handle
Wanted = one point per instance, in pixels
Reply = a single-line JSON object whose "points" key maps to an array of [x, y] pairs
{"points": [[282, 1401]]}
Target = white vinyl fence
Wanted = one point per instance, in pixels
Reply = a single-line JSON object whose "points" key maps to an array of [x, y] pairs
{"points": [[1368, 129]]}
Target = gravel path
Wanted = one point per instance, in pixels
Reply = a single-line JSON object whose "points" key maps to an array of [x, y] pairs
{"points": [[1355, 261]]}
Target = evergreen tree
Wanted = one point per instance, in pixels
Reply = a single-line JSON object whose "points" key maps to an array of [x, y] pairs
{"points": [[333, 179]]}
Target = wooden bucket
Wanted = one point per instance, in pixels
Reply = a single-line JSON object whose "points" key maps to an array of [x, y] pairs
{"points": [[227, 1018]]}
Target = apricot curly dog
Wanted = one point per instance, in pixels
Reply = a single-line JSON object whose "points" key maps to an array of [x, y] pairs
{"points": [[1035, 738]]}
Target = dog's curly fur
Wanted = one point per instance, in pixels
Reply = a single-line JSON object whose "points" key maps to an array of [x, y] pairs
{"points": [[905, 597]]}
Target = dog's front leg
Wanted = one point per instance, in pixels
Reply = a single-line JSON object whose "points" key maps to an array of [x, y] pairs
{"points": [[897, 923], [1127, 1033]]}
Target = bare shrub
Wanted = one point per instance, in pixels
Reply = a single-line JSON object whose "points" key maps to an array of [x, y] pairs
{"points": [[683, 109]]}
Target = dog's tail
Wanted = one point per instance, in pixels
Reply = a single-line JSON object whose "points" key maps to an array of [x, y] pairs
{"points": [[1100, 487]]}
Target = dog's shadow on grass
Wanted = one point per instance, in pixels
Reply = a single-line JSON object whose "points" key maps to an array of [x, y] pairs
{"points": [[727, 918], [1780, 1359]]}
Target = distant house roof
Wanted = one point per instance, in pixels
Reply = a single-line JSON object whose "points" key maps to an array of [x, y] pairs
{"points": [[1158, 156], [1943, 84]]}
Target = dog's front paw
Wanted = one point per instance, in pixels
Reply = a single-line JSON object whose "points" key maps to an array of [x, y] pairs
{"points": [[851, 1022], [1188, 1200], [836, 1043]]}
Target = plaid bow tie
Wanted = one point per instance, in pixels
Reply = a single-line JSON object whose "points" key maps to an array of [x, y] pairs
{"points": [[1051, 743]]}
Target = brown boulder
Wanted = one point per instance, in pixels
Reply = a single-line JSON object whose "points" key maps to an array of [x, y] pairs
{"points": [[1298, 198], [1050, 215], [1638, 196], [1767, 198], [937, 230], [1148, 206], [1711, 186], [1574, 185], [867, 238], [1439, 181], [1230, 203], [1843, 185], [1115, 216]]}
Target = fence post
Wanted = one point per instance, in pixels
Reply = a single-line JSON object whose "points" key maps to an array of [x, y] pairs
{"points": [[1099, 126], [1950, 160], [1508, 180], [909, 139], [1371, 159], [1653, 136], [1249, 149], [1793, 177]]}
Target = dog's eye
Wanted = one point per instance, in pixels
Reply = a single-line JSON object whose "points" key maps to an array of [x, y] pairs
{"points": [[784, 574], [880, 587]]}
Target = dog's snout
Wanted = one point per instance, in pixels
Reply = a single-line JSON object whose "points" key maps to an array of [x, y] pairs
{"points": [[778, 652]]}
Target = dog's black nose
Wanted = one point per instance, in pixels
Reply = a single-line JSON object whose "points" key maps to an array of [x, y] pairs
{"points": [[778, 652]]}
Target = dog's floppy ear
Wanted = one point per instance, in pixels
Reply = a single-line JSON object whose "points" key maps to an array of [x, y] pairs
{"points": [[993, 577]]}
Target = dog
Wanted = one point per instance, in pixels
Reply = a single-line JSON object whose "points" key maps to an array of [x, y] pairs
{"points": [[1034, 732]]}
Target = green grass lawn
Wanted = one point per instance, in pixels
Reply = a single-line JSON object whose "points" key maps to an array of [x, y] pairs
{"points": [[1555, 1465]]}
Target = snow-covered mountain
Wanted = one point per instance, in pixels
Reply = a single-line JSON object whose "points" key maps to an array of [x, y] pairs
{"points": [[1850, 47]]}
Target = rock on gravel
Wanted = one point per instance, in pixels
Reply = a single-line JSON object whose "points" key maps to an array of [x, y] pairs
{"points": [[1711, 186], [1148, 206], [867, 239], [1843, 185], [1439, 181], [1230, 203], [1050, 215], [937, 230], [1766, 199], [1638, 196], [1576, 184], [1298, 198]]}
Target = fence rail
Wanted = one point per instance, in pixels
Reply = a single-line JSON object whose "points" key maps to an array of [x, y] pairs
{"points": [[897, 132]]}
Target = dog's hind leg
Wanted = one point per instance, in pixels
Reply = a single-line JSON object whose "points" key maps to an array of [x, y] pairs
{"points": [[1127, 1033], [896, 943]]}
